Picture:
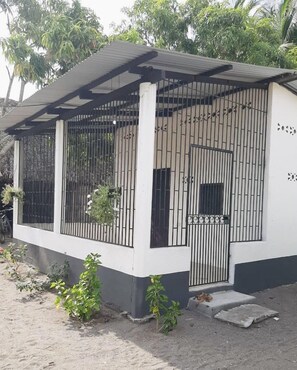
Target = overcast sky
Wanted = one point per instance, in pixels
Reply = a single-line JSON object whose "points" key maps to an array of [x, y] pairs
{"points": [[109, 11]]}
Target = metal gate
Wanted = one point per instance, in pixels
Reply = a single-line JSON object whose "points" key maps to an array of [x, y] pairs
{"points": [[209, 209]]}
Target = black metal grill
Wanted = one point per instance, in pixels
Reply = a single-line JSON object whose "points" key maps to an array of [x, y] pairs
{"points": [[209, 211], [38, 180], [216, 116], [101, 150]]}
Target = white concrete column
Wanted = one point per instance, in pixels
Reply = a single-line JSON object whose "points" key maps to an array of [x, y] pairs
{"points": [[16, 179], [59, 152], [144, 173]]}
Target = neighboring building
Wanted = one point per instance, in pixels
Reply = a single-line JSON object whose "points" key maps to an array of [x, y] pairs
{"points": [[204, 152]]}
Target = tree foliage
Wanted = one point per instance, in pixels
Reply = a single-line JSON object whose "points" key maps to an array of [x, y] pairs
{"points": [[47, 38], [156, 23], [241, 31], [232, 34]]}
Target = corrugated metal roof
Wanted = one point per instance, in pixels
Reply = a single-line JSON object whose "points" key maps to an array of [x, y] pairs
{"points": [[117, 54]]}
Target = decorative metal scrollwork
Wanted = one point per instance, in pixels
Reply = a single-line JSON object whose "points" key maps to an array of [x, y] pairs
{"points": [[129, 136], [287, 129], [208, 219], [187, 179], [292, 176], [192, 119]]}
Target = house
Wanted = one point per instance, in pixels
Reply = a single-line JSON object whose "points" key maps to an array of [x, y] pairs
{"points": [[203, 152]]}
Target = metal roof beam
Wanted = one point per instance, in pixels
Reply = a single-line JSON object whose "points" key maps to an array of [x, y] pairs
{"points": [[88, 107], [281, 78], [57, 111], [88, 95], [265, 82], [202, 77], [149, 74], [34, 123], [210, 72], [113, 73], [198, 78]]}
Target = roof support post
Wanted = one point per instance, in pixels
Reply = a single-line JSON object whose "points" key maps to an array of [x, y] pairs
{"points": [[17, 181], [59, 150], [144, 176]]}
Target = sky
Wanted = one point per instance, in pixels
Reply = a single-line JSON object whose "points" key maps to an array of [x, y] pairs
{"points": [[109, 11]]}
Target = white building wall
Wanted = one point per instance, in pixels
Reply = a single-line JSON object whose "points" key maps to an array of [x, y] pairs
{"points": [[280, 195], [280, 231]]}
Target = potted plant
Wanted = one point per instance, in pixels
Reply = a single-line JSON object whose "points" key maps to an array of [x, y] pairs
{"points": [[102, 206], [9, 193]]}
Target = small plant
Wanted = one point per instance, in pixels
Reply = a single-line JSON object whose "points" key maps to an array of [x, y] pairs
{"points": [[58, 272], [156, 299], [30, 282], [170, 317], [26, 277], [83, 299], [14, 256], [1, 255], [9, 192], [158, 304], [103, 204]]}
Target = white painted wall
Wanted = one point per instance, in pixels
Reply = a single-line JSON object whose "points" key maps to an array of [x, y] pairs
{"points": [[280, 200], [280, 232]]}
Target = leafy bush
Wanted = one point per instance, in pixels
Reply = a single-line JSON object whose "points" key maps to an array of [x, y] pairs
{"points": [[158, 305], [9, 192], [14, 256], [170, 317], [102, 204], [156, 298], [83, 299]]}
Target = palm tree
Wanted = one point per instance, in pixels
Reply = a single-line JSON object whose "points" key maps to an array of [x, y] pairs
{"points": [[251, 6], [4, 6], [284, 17]]}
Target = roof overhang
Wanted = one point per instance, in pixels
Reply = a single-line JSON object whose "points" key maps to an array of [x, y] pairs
{"points": [[118, 69]]}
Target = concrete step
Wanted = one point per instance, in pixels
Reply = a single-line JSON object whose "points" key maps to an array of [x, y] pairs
{"points": [[218, 301], [209, 288]]}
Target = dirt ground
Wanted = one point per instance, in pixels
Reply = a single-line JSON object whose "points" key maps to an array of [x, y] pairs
{"points": [[34, 335]]}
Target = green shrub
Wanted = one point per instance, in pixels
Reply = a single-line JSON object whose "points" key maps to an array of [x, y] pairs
{"points": [[158, 305], [170, 317], [14, 256], [83, 299], [102, 205]]}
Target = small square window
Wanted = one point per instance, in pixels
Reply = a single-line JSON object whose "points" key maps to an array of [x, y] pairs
{"points": [[211, 198]]}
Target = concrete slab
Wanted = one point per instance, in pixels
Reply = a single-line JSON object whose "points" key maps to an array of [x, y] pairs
{"points": [[218, 301], [245, 315], [209, 288]]}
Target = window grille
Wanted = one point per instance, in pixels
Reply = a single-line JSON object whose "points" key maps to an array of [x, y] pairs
{"points": [[38, 180]]}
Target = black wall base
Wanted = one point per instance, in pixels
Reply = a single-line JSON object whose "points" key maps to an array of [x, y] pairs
{"points": [[254, 276], [122, 291]]}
